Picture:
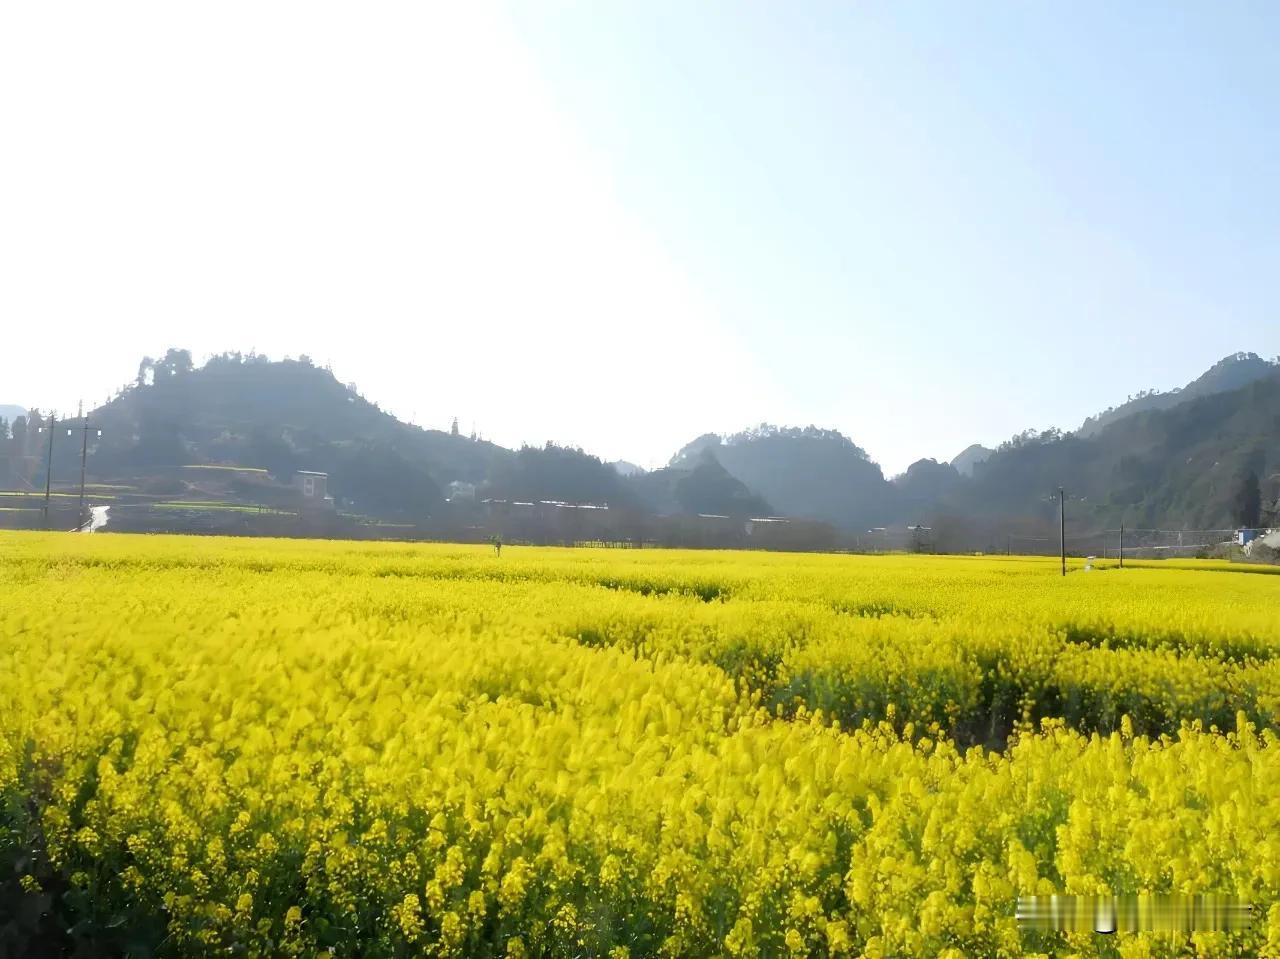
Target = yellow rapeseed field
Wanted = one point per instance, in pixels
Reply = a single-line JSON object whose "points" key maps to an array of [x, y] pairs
{"points": [[266, 747]]}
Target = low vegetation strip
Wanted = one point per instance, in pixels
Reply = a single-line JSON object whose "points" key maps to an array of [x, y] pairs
{"points": [[203, 506], [269, 747], [256, 470]]}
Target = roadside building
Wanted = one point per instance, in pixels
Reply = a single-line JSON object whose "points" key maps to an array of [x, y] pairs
{"points": [[314, 488]]}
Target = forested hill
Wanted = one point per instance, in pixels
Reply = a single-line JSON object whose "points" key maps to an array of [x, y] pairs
{"points": [[1229, 373], [1187, 465], [289, 415], [1190, 465], [969, 457], [809, 472], [283, 416]]}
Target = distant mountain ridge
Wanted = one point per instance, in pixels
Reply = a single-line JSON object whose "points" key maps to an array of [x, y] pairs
{"points": [[1176, 467], [697, 484], [283, 416], [809, 472], [970, 457], [1177, 459], [1171, 459], [1229, 373], [289, 415]]}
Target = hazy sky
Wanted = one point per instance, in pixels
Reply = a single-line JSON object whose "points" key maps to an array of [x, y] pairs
{"points": [[621, 225]]}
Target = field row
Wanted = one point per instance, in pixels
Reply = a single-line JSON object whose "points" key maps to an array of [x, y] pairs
{"points": [[272, 748]]}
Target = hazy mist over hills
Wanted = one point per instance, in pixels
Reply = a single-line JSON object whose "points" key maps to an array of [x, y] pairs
{"points": [[970, 457], [1176, 459], [1229, 373]]}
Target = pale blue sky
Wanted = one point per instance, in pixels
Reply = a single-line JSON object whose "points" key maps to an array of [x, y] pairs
{"points": [[619, 225], [946, 222]]}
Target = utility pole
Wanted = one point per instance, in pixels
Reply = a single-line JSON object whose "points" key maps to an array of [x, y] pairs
{"points": [[84, 453], [48, 470], [1062, 528], [1122, 545]]}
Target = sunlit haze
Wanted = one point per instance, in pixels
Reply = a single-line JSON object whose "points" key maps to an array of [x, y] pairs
{"points": [[617, 228]]}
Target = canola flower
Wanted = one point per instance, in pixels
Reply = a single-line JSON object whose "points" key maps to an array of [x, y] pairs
{"points": [[257, 747]]}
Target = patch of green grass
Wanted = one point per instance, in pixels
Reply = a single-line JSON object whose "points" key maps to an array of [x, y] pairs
{"points": [[209, 503], [195, 506], [17, 494], [23, 494]]}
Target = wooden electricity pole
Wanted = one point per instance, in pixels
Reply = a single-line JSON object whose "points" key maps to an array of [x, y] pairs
{"points": [[84, 453], [1062, 528], [48, 470]]}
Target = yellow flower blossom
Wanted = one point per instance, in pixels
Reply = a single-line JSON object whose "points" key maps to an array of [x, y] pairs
{"points": [[615, 753]]}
